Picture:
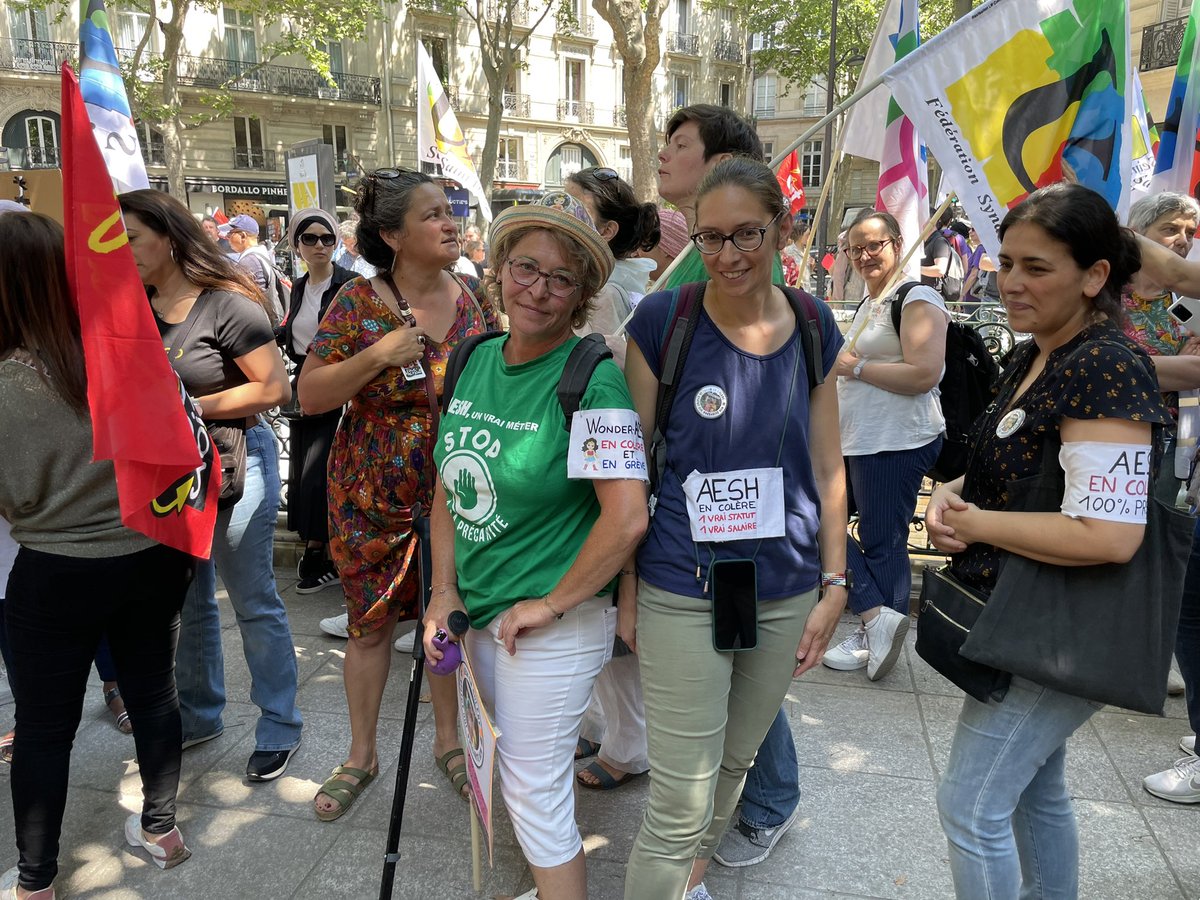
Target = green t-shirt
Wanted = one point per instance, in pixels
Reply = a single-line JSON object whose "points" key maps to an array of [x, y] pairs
{"points": [[519, 522], [692, 269]]}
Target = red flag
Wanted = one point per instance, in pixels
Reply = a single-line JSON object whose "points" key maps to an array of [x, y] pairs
{"points": [[157, 444], [791, 181], [219, 216]]}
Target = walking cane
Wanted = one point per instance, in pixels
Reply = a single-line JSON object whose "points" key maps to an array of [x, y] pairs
{"points": [[424, 566]]}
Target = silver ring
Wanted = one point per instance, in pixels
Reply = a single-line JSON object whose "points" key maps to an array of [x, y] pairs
{"points": [[421, 339]]}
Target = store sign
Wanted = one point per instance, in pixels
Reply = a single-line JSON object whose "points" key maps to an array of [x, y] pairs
{"points": [[265, 189]]}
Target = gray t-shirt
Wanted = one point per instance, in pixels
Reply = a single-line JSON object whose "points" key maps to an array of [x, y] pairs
{"points": [[57, 499], [220, 327]]}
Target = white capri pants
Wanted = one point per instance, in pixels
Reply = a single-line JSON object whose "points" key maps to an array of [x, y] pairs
{"points": [[538, 698]]}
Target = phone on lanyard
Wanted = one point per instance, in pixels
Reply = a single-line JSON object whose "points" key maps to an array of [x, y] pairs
{"points": [[734, 584]]}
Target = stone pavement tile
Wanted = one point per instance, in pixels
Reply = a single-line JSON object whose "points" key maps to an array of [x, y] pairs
{"points": [[305, 611], [752, 890], [1174, 826], [926, 680], [1119, 859], [429, 867], [893, 821], [858, 729], [1090, 771], [609, 820], [1140, 746]]}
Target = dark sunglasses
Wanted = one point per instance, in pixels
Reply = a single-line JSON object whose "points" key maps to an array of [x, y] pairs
{"points": [[311, 240], [601, 173]]}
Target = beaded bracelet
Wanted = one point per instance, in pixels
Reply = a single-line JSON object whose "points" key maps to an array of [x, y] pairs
{"points": [[834, 579]]}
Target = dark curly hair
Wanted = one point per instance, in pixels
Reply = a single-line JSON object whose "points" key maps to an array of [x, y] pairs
{"points": [[637, 223], [382, 203]]}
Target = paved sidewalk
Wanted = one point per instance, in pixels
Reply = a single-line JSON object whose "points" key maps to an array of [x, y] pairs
{"points": [[870, 757]]}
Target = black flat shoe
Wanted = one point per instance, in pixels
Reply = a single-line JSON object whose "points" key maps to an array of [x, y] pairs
{"points": [[267, 765]]}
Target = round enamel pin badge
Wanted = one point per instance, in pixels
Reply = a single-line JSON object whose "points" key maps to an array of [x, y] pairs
{"points": [[1011, 423], [711, 401]]}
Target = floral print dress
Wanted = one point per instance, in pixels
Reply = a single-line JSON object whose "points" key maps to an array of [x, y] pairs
{"points": [[381, 464]]}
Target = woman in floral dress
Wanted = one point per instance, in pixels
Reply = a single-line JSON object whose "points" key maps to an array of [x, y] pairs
{"points": [[377, 345]]}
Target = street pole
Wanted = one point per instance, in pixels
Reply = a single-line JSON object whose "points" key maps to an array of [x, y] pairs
{"points": [[827, 147]]}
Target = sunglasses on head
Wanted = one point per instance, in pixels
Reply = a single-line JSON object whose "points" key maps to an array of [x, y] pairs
{"points": [[602, 173], [311, 240]]}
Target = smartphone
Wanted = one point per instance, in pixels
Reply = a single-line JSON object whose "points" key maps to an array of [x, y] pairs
{"points": [[1186, 311], [734, 584]]}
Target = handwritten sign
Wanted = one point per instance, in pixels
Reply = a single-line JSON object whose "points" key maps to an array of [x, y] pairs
{"points": [[606, 443], [479, 741], [735, 506], [1106, 481]]}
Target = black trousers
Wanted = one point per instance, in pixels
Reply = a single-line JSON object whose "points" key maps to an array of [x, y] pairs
{"points": [[56, 610], [309, 441]]}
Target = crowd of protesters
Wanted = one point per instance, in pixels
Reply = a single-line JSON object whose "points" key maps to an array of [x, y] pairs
{"points": [[607, 620]]}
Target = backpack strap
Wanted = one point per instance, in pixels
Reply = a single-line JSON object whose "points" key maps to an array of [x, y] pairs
{"points": [[898, 302], [687, 301], [458, 361], [585, 356], [808, 320]]}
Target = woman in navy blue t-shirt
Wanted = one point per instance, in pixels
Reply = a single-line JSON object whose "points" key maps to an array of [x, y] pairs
{"points": [[751, 507]]}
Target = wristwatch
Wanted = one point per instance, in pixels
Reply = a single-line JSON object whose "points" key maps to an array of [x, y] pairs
{"points": [[858, 369]]}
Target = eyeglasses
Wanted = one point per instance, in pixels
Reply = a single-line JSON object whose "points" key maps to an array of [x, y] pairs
{"points": [[745, 239], [602, 173], [868, 249], [526, 273], [311, 240]]}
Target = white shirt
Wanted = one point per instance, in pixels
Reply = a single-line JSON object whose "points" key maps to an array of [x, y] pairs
{"points": [[304, 325], [873, 419]]}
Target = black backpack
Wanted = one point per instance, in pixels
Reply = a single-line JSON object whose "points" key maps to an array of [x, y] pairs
{"points": [[966, 388], [577, 371], [686, 302]]}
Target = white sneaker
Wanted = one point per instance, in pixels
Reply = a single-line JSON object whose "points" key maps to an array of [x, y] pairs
{"points": [[1179, 784], [1188, 744], [406, 642], [335, 626], [1175, 685], [885, 639], [850, 654]]}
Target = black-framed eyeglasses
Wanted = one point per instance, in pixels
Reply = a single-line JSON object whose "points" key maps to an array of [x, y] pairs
{"points": [[746, 239], [311, 240], [526, 273], [869, 249]]}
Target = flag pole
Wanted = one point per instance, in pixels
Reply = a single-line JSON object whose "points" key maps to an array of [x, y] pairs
{"points": [[926, 230], [816, 216], [774, 164]]}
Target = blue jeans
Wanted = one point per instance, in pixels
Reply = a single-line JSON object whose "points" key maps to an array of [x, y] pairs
{"points": [[772, 788], [884, 487], [243, 550], [1187, 638], [1003, 800]]}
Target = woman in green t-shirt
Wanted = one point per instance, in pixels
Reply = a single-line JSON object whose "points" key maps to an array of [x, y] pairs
{"points": [[532, 521]]}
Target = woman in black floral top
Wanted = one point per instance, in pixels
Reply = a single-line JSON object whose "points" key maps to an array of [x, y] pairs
{"points": [[1063, 260]]}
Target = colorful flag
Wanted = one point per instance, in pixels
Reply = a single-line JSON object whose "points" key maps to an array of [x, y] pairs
{"points": [[1020, 94], [902, 168], [863, 131], [791, 181], [439, 139], [1144, 135], [104, 96], [1178, 162], [157, 444]]}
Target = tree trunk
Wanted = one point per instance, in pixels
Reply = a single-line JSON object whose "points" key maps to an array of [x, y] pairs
{"points": [[637, 34], [172, 125]]}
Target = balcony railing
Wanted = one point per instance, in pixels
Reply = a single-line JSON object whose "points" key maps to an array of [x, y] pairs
{"points": [[728, 51], [202, 71], [678, 42], [582, 111], [257, 160], [764, 112], [511, 170], [1161, 42], [434, 7], [516, 105], [24, 55], [33, 157], [519, 14], [584, 26]]}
